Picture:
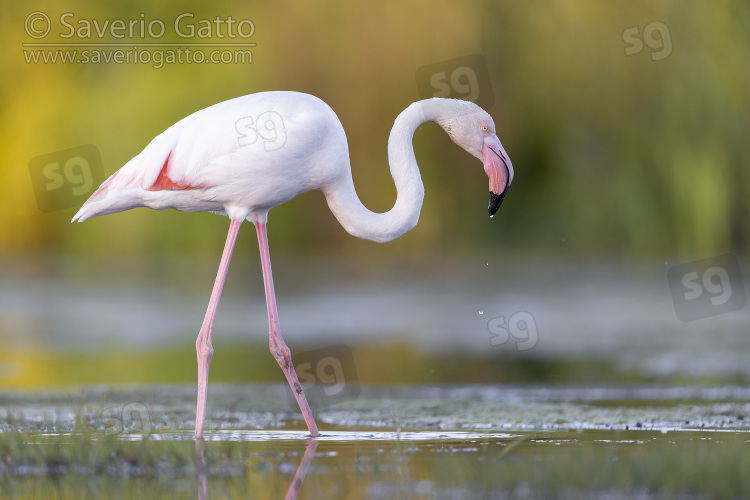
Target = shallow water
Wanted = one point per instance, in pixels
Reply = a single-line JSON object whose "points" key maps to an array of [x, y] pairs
{"points": [[583, 464], [415, 390], [477, 441]]}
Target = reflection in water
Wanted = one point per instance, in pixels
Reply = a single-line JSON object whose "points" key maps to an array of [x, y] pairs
{"points": [[201, 469], [299, 476], [294, 487], [311, 444], [378, 464]]}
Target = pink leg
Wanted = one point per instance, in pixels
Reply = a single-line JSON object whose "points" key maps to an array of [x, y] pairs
{"points": [[203, 346], [278, 347]]}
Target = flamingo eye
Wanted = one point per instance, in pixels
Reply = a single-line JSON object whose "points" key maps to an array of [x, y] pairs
{"points": [[485, 128]]}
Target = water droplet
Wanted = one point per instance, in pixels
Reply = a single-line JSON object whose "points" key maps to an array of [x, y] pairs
{"points": [[481, 312]]}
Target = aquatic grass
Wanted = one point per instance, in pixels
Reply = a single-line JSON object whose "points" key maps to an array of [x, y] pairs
{"points": [[649, 463], [559, 444], [627, 462]]}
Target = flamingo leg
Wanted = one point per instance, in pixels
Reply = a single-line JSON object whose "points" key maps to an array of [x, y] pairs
{"points": [[203, 346], [280, 351]]}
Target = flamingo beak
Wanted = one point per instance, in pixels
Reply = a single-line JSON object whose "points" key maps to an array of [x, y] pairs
{"points": [[495, 201], [499, 169]]}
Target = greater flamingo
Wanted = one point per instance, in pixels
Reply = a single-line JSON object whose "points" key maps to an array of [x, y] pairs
{"points": [[244, 156]]}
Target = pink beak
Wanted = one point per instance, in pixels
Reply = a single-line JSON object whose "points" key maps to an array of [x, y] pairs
{"points": [[499, 169]]}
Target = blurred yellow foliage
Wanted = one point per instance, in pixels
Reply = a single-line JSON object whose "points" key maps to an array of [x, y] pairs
{"points": [[626, 122]]}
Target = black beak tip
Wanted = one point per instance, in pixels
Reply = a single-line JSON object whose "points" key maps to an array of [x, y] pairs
{"points": [[495, 201]]}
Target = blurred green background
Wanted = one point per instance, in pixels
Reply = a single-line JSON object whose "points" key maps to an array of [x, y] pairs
{"points": [[622, 152], [616, 154]]}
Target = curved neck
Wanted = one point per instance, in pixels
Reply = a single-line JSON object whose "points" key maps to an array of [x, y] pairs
{"points": [[355, 217]]}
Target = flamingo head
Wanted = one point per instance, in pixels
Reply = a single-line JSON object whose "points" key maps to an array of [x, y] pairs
{"points": [[473, 129]]}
